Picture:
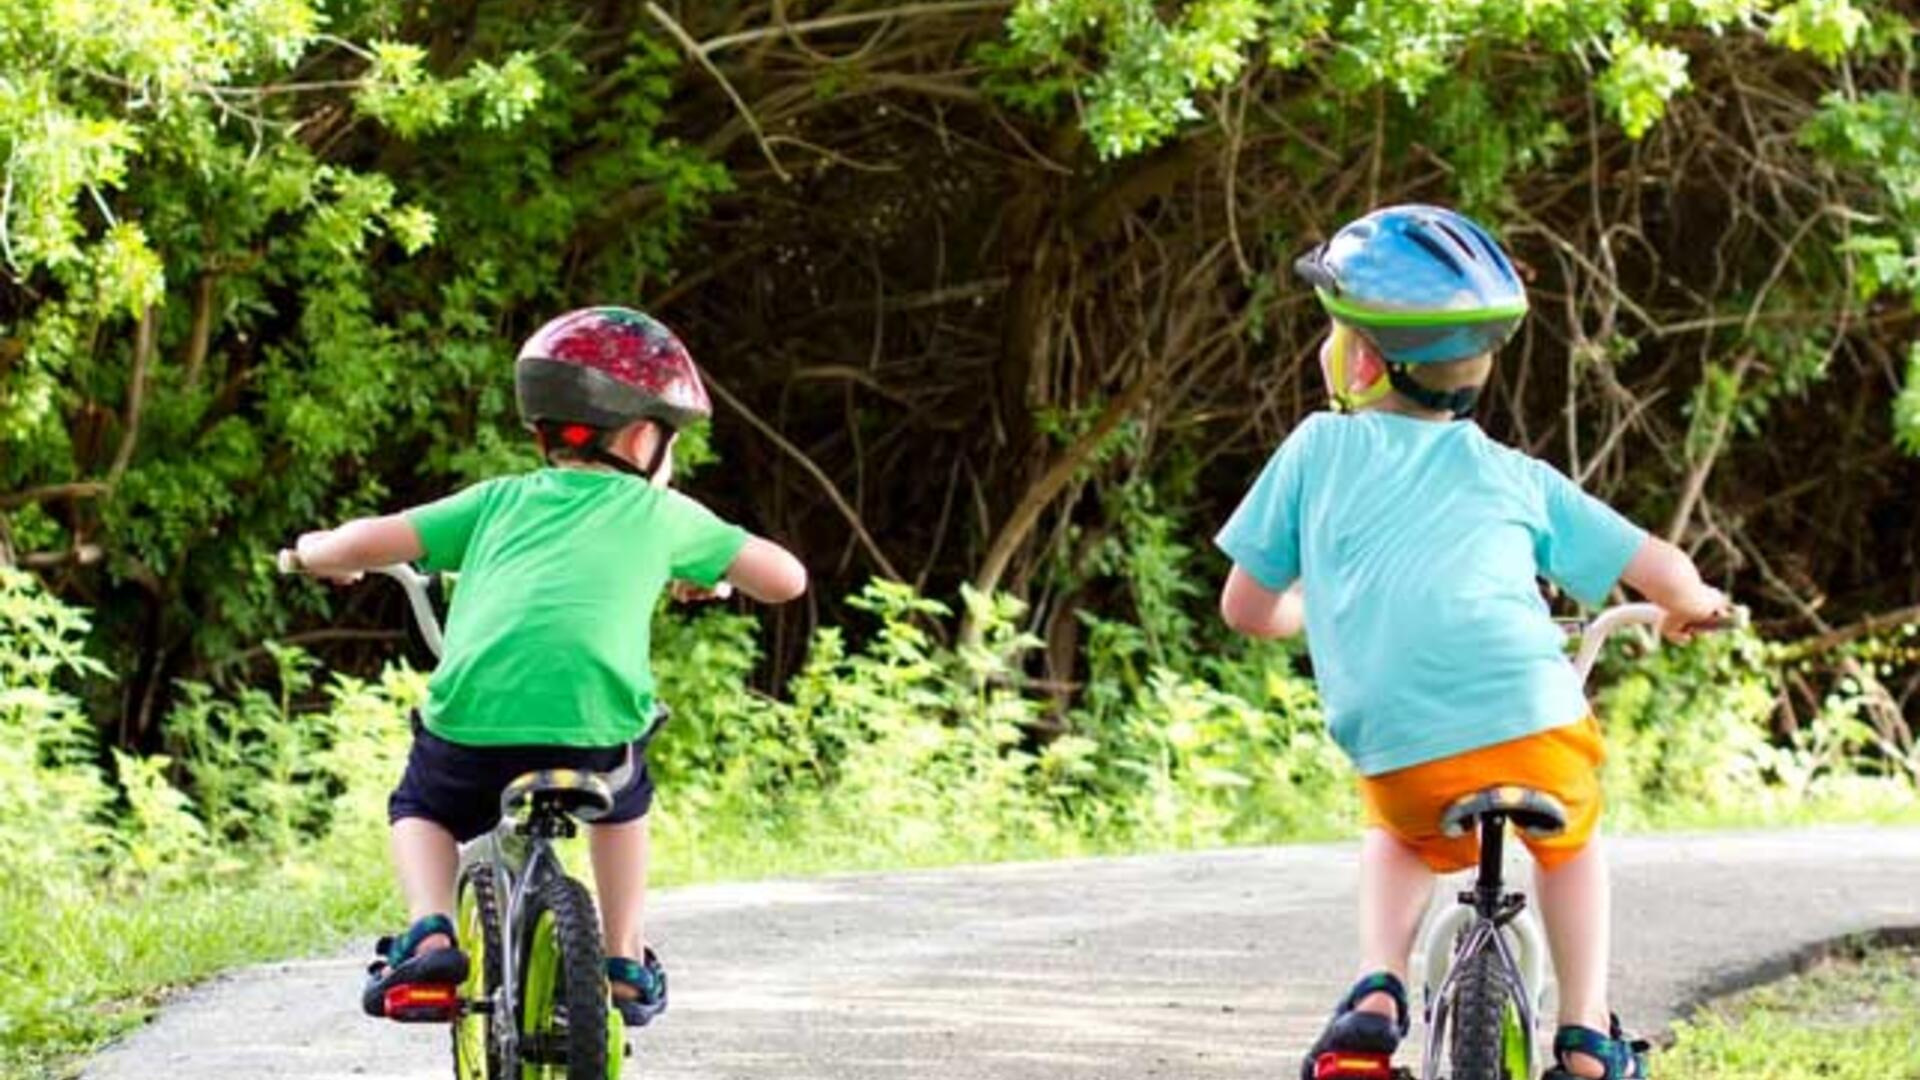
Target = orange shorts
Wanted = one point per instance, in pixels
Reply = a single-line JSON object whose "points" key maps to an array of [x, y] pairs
{"points": [[1563, 762]]}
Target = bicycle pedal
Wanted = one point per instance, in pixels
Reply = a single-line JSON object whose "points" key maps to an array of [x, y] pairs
{"points": [[1350, 1065], [422, 1003]]}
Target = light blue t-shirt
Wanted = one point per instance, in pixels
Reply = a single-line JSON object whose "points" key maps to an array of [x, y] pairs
{"points": [[1420, 543]]}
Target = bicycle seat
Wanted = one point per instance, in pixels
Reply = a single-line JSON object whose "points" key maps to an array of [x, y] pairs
{"points": [[583, 795], [1533, 812]]}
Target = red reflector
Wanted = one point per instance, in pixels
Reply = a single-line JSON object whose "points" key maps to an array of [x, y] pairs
{"points": [[1334, 1065], [426, 1002], [576, 435], [420, 995]]}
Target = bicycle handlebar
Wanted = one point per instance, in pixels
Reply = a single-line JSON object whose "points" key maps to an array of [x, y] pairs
{"points": [[1594, 634], [412, 581], [415, 585]]}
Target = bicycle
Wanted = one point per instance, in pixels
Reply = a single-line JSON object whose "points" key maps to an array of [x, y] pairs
{"points": [[1487, 969], [535, 1004]]}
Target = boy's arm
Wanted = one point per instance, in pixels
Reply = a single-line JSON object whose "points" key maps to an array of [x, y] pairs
{"points": [[767, 572], [341, 554], [1665, 575], [1254, 609]]}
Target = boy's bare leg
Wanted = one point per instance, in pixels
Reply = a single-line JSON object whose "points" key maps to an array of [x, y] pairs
{"points": [[425, 858], [1576, 903], [620, 875], [1394, 889]]}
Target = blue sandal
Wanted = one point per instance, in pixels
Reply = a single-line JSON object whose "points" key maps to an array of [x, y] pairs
{"points": [[1623, 1058], [408, 985], [1360, 1044], [649, 982]]}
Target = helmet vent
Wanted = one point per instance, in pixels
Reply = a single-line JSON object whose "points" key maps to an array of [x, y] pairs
{"points": [[1419, 236], [1500, 261], [1465, 248]]}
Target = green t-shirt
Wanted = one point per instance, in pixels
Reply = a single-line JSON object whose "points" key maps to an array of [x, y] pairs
{"points": [[548, 637]]}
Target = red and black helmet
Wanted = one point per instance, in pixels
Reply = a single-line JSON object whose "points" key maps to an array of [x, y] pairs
{"points": [[605, 368]]}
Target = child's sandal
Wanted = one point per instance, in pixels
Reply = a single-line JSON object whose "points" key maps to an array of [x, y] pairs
{"points": [[647, 979], [409, 985], [1360, 1044], [1623, 1058]]}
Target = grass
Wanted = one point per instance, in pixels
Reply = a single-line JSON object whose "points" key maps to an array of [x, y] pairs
{"points": [[1849, 1019], [84, 966], [1890, 804]]}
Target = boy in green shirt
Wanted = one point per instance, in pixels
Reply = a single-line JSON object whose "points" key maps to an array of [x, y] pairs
{"points": [[546, 652]]}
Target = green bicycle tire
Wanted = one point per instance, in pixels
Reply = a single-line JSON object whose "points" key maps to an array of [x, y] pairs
{"points": [[1516, 1042], [563, 987], [1478, 1043], [476, 1050]]}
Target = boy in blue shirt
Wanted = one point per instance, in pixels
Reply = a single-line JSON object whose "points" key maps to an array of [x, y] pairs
{"points": [[1419, 540]]}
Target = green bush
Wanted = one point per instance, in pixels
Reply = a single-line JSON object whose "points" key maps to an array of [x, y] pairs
{"points": [[1689, 739], [53, 793]]}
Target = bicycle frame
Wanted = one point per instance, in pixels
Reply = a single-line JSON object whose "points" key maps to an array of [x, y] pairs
{"points": [[521, 854], [1495, 922], [522, 862], [1494, 909]]}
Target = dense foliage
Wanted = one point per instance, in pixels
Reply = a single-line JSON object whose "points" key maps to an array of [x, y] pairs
{"points": [[989, 291], [996, 304]]}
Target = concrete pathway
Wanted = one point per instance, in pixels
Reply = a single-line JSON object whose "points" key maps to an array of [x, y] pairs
{"points": [[1211, 965]]}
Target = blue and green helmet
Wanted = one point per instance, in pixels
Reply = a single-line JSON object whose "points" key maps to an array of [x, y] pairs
{"points": [[1424, 284]]}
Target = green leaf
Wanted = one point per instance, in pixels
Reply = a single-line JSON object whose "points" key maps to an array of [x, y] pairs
{"points": [[1906, 407], [1640, 81], [412, 227], [1826, 28], [130, 274]]}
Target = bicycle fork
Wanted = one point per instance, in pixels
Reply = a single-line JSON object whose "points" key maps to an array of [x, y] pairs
{"points": [[1493, 911]]}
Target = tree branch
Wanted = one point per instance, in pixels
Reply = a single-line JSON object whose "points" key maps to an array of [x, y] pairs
{"points": [[1697, 476], [1042, 491], [826, 482], [80, 489], [699, 56], [834, 22], [1872, 624], [136, 395], [201, 336], [84, 555]]}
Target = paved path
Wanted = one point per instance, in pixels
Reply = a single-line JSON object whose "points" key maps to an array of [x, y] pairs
{"points": [[1212, 965]]}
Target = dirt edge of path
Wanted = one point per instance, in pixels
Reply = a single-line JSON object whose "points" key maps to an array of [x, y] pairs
{"points": [[1787, 964]]}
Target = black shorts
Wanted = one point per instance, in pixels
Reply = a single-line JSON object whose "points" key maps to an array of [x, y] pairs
{"points": [[458, 787]]}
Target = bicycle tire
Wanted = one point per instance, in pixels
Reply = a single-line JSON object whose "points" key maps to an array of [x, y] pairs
{"points": [[1477, 1050], [476, 1049], [563, 987]]}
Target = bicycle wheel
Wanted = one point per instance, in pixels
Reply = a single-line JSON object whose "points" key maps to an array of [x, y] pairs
{"points": [[476, 1052], [563, 987], [1487, 1040]]}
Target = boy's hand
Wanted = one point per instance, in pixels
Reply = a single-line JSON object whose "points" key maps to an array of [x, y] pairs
{"points": [[1696, 608], [308, 553]]}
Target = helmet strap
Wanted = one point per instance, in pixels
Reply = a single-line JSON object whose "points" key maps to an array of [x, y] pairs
{"points": [[590, 444], [661, 446], [1457, 403]]}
